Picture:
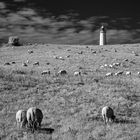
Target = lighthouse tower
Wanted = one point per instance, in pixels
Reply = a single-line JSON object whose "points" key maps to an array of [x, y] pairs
{"points": [[102, 36]]}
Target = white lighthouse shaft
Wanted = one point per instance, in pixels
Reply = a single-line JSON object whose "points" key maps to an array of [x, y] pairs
{"points": [[102, 36]]}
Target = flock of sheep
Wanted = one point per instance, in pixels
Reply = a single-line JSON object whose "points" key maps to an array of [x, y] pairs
{"points": [[32, 117]]}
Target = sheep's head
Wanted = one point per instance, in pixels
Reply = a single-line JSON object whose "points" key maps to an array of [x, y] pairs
{"points": [[113, 117]]}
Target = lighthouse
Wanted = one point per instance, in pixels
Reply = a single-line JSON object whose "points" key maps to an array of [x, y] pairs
{"points": [[102, 36]]}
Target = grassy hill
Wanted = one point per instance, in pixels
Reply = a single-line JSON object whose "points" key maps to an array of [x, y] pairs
{"points": [[71, 104]]}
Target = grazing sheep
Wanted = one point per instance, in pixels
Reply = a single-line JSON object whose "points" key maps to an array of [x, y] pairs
{"points": [[109, 74], [30, 51], [111, 66], [118, 73], [115, 50], [76, 73], [108, 114], [116, 64], [21, 118], [105, 65], [101, 66], [81, 52], [61, 58], [36, 63], [13, 62], [62, 72], [125, 59], [46, 72], [138, 73], [24, 64], [94, 52], [68, 56], [7, 63], [128, 73], [68, 50], [34, 118]]}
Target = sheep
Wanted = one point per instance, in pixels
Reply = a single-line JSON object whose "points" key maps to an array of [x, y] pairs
{"points": [[128, 73], [24, 64], [118, 73], [34, 118], [108, 114], [111, 66], [101, 66], [36, 63], [7, 63], [109, 74], [116, 64], [30, 51], [21, 118], [27, 61], [62, 72], [46, 72], [76, 73], [138, 73], [61, 58], [13, 62]]}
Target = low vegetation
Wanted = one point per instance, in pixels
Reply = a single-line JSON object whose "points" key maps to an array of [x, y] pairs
{"points": [[71, 104]]}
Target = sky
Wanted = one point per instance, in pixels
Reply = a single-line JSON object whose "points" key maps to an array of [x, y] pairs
{"points": [[69, 22]]}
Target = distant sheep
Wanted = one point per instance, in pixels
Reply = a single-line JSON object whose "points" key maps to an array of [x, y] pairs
{"points": [[116, 64], [27, 61], [62, 72], [7, 63], [21, 118], [111, 66], [118, 73], [76, 73], [108, 114], [36, 63], [46, 72], [24, 64], [101, 67], [34, 118], [30, 51], [105, 65], [61, 58], [128, 73], [109, 74], [13, 62], [138, 73]]}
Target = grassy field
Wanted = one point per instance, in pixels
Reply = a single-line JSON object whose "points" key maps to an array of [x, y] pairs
{"points": [[71, 104]]}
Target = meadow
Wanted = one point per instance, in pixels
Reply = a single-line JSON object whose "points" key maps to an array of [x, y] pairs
{"points": [[71, 105]]}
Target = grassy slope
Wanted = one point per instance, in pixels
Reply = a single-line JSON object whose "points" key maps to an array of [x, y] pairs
{"points": [[71, 109]]}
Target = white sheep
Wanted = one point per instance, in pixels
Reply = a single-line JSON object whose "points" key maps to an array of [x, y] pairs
{"points": [[30, 51], [128, 73], [76, 73], [36, 63], [24, 64], [118, 73], [34, 118], [62, 72], [111, 66], [101, 66], [109, 74], [138, 73], [108, 114], [21, 118]]}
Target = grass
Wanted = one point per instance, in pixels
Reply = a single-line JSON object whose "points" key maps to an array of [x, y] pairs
{"points": [[71, 109]]}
